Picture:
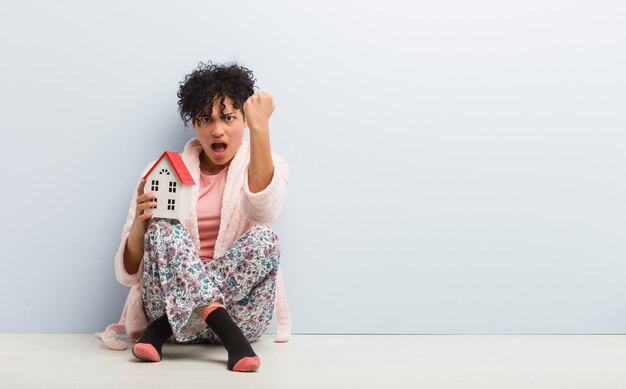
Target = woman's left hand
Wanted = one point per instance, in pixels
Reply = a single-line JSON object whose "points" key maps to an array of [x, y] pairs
{"points": [[258, 109]]}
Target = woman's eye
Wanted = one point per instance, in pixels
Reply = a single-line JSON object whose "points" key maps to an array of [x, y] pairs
{"points": [[205, 119], [230, 118]]}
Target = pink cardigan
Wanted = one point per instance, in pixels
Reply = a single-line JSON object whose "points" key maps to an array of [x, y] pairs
{"points": [[240, 210]]}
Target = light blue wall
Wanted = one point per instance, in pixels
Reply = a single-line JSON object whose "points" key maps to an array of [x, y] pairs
{"points": [[456, 167]]}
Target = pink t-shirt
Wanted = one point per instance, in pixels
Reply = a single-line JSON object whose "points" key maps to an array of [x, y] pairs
{"points": [[209, 209]]}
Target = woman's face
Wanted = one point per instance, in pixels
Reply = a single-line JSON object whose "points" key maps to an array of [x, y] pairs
{"points": [[220, 136]]}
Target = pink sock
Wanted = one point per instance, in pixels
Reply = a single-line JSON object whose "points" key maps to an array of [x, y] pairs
{"points": [[247, 364], [211, 309], [146, 351]]}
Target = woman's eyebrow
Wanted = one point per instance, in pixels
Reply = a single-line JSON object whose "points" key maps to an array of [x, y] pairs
{"points": [[211, 117]]}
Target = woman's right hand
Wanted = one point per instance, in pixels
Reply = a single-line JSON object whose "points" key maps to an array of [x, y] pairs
{"points": [[142, 212]]}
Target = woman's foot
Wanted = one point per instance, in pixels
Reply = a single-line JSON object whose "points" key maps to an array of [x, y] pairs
{"points": [[148, 347], [241, 357]]}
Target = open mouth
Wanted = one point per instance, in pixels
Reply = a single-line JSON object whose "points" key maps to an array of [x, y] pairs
{"points": [[219, 147]]}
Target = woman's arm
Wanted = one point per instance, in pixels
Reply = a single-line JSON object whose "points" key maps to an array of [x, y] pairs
{"points": [[261, 168], [124, 276], [133, 252], [258, 109], [127, 261]]}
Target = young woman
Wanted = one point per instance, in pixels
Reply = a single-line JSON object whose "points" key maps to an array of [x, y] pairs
{"points": [[212, 278]]}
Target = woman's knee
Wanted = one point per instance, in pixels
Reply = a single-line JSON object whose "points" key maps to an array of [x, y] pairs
{"points": [[160, 228], [169, 238], [268, 240]]}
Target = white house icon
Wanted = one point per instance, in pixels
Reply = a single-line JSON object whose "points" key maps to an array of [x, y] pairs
{"points": [[172, 182]]}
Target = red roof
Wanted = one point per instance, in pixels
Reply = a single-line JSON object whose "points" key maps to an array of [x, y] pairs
{"points": [[179, 167]]}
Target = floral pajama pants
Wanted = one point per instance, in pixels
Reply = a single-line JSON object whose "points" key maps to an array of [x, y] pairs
{"points": [[175, 281]]}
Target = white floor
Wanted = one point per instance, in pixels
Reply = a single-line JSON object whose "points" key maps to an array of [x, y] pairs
{"points": [[325, 361]]}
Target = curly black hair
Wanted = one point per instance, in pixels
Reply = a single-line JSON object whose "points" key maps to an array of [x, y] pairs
{"points": [[208, 82]]}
